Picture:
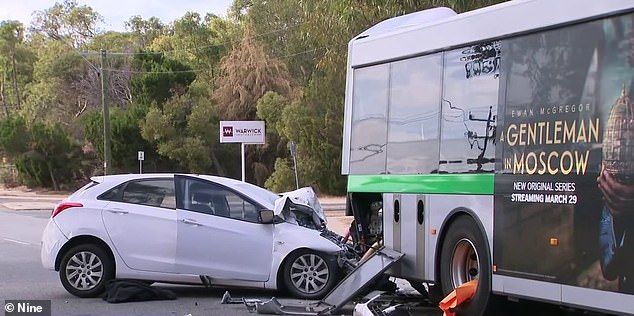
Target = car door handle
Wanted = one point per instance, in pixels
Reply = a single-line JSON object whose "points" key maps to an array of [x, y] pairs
{"points": [[190, 222], [118, 211]]}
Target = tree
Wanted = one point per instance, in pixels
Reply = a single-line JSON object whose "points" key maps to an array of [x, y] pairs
{"points": [[195, 41], [58, 90], [126, 140], [67, 21], [145, 31], [186, 130], [160, 78], [270, 108], [119, 68], [280, 27], [312, 37], [247, 73], [11, 34], [315, 124], [44, 154]]}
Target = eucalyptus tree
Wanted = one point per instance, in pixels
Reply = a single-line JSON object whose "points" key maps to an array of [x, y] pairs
{"points": [[246, 74], [312, 36], [146, 31], [69, 21], [11, 35]]}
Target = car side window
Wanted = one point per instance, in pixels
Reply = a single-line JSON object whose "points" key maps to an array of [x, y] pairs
{"points": [[241, 209], [151, 192], [113, 194], [208, 198]]}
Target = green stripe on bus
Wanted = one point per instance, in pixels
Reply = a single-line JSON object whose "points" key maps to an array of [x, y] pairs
{"points": [[423, 183]]}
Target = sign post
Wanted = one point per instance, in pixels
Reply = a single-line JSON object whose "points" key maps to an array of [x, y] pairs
{"points": [[243, 132], [294, 155], [141, 157]]}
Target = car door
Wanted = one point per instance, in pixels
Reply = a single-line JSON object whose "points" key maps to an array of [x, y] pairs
{"points": [[141, 223], [219, 234]]}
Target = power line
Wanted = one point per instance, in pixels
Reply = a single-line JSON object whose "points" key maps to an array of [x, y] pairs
{"points": [[194, 48], [203, 70], [86, 53], [81, 54]]}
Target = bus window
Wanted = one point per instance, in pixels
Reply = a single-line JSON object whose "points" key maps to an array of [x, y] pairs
{"points": [[469, 107], [415, 90], [369, 120]]}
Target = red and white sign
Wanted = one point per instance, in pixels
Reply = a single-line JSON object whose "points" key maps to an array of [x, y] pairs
{"points": [[246, 132]]}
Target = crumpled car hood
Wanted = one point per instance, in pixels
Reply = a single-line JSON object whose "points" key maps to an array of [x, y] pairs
{"points": [[301, 202]]}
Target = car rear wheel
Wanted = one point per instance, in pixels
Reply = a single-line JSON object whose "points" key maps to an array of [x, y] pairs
{"points": [[309, 274], [85, 270]]}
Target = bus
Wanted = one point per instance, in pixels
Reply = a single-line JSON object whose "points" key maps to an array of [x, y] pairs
{"points": [[497, 145]]}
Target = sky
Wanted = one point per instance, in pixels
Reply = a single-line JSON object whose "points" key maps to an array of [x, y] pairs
{"points": [[116, 12]]}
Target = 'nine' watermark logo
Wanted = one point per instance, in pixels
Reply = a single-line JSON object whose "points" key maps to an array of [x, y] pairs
{"points": [[27, 307]]}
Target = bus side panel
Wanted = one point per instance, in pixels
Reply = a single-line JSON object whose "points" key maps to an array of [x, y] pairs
{"points": [[392, 228], [440, 207], [597, 299], [405, 233]]}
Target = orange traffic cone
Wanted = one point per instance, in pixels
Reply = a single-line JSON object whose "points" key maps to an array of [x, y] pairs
{"points": [[461, 294]]}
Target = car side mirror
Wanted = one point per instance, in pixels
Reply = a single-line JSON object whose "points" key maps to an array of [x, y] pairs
{"points": [[266, 216]]}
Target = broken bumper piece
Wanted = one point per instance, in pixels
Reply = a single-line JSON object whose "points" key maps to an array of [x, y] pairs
{"points": [[274, 307], [351, 286]]}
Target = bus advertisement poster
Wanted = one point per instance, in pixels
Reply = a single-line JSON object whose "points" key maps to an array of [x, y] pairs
{"points": [[564, 186]]}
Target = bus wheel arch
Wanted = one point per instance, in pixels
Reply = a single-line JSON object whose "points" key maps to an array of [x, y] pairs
{"points": [[463, 254]]}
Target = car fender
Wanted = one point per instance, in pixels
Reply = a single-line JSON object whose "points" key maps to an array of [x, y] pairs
{"points": [[289, 237], [86, 221], [79, 221]]}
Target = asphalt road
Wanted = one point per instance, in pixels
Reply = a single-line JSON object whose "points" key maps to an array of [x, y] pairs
{"points": [[23, 278]]}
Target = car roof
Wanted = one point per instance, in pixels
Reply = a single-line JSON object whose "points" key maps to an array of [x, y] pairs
{"points": [[251, 190], [136, 176]]}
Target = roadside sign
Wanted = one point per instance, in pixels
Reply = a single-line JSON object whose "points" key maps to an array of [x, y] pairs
{"points": [[293, 151], [243, 132], [141, 155], [246, 132]]}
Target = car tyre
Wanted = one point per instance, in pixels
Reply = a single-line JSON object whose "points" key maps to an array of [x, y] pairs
{"points": [[308, 274], [85, 270], [464, 257]]}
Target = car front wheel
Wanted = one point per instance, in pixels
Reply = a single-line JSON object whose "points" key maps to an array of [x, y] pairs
{"points": [[310, 274], [85, 270]]}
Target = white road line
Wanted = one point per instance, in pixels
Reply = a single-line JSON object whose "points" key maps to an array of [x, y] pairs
{"points": [[16, 241]]}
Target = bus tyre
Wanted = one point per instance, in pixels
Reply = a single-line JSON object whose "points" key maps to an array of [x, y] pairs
{"points": [[465, 257]]}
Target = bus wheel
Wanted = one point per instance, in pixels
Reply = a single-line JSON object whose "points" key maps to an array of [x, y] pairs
{"points": [[464, 257]]}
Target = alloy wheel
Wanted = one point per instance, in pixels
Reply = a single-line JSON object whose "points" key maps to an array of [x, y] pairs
{"points": [[84, 270], [309, 273]]}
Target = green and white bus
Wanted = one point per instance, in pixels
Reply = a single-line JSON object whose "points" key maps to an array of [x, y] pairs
{"points": [[498, 145]]}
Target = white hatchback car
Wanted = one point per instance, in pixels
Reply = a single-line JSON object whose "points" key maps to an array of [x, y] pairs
{"points": [[191, 229]]}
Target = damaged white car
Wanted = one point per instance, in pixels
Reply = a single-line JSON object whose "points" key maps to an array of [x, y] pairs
{"points": [[192, 229]]}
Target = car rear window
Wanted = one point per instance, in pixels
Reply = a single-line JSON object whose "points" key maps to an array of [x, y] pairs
{"points": [[83, 189]]}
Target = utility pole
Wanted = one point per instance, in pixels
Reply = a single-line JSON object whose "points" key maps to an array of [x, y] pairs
{"points": [[107, 163]]}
